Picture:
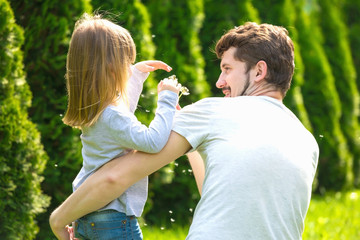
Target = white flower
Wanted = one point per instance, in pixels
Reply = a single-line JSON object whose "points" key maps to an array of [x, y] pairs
{"points": [[183, 90]]}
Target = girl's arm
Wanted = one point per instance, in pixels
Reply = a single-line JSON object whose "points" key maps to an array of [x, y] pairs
{"points": [[132, 134], [140, 72], [111, 180]]}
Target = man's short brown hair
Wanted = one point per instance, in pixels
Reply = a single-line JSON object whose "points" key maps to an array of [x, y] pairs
{"points": [[266, 42]]}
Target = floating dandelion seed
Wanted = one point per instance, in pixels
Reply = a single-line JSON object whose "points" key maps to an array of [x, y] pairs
{"points": [[183, 171], [61, 115], [321, 136], [176, 164], [170, 211], [189, 170], [162, 228], [172, 220], [190, 209], [56, 165], [147, 111]]}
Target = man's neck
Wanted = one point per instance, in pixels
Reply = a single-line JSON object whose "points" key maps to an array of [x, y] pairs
{"points": [[265, 90]]}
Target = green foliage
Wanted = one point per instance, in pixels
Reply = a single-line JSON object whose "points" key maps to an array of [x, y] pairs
{"points": [[176, 25], [48, 26], [173, 196], [337, 48], [323, 105], [22, 158], [351, 12]]}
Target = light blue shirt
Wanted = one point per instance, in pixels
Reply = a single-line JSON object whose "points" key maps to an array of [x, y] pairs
{"points": [[117, 131]]}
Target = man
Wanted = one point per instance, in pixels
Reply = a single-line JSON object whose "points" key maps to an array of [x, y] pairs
{"points": [[259, 159]]}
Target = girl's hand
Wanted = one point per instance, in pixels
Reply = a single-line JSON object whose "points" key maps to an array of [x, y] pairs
{"points": [[152, 65], [169, 85]]}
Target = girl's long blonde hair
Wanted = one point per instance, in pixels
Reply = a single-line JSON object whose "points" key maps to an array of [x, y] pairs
{"points": [[97, 68]]}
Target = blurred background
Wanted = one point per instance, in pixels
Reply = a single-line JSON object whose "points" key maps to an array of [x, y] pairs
{"points": [[40, 156]]}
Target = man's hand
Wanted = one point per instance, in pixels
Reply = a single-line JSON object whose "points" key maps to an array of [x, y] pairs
{"points": [[152, 65]]}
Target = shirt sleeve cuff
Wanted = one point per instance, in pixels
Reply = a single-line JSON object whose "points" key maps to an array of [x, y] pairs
{"points": [[139, 74]]}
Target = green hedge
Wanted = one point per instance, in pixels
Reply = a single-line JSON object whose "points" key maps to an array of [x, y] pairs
{"points": [[175, 30], [350, 10], [22, 158], [323, 105], [48, 26], [337, 48]]}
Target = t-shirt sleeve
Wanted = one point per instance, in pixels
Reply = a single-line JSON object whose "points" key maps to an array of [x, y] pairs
{"points": [[192, 122], [132, 134]]}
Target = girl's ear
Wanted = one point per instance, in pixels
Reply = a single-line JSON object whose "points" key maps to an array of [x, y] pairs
{"points": [[261, 71]]}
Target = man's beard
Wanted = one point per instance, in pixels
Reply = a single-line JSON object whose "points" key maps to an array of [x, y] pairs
{"points": [[246, 86]]}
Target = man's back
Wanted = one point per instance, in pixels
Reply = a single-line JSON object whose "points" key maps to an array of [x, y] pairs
{"points": [[260, 164]]}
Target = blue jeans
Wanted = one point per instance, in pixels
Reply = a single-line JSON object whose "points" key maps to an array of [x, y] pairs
{"points": [[106, 225]]}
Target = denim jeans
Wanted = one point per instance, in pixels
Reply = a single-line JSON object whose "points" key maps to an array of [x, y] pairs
{"points": [[106, 225]]}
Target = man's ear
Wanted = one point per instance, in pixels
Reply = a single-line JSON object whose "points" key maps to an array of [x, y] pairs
{"points": [[261, 70]]}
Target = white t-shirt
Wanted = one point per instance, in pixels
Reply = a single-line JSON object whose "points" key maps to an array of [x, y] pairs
{"points": [[260, 164]]}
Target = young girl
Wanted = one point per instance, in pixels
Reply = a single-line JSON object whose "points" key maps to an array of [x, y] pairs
{"points": [[103, 90]]}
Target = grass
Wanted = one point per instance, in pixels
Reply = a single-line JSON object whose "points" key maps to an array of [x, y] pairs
{"points": [[160, 233], [335, 216]]}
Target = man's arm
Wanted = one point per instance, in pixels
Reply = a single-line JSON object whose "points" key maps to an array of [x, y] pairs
{"points": [[197, 165], [111, 180]]}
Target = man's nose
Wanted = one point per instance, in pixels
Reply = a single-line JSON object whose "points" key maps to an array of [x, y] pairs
{"points": [[221, 82]]}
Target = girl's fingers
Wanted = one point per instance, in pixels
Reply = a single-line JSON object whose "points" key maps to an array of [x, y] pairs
{"points": [[159, 65]]}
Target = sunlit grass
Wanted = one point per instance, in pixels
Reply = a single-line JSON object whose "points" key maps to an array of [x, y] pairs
{"points": [[333, 217], [161, 233]]}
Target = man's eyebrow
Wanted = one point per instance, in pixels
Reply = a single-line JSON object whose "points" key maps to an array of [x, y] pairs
{"points": [[224, 65]]}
